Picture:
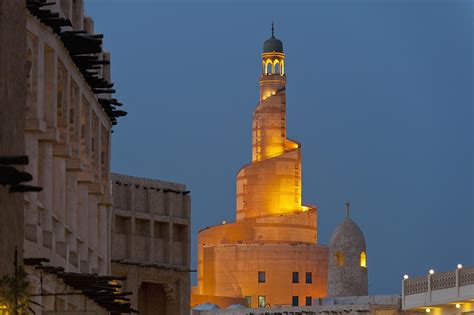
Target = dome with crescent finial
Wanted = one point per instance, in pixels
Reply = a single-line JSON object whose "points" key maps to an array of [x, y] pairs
{"points": [[273, 44]]}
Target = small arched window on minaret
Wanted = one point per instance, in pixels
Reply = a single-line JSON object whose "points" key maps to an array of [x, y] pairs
{"points": [[339, 259], [276, 66], [363, 259], [268, 67]]}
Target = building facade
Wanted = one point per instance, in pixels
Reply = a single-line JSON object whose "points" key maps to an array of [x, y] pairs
{"points": [[67, 138], [58, 115], [270, 255], [150, 243], [59, 112]]}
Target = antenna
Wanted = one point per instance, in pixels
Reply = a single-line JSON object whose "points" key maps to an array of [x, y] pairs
{"points": [[348, 205]]}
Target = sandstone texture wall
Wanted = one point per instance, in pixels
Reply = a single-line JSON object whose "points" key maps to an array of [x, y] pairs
{"points": [[348, 274], [151, 243]]}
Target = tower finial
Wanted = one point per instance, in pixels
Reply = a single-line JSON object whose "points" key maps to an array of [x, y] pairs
{"points": [[273, 29], [347, 204]]}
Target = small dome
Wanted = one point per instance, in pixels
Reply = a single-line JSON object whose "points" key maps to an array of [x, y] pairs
{"points": [[347, 234], [272, 44]]}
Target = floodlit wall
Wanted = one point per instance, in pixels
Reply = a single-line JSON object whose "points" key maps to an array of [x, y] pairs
{"points": [[271, 184], [233, 271]]}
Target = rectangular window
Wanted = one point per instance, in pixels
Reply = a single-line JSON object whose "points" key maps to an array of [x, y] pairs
{"points": [[261, 301], [294, 301], [261, 277], [248, 301], [296, 277], [309, 277], [308, 301]]}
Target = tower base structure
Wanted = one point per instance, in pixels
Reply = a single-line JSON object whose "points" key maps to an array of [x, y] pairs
{"points": [[259, 262]]}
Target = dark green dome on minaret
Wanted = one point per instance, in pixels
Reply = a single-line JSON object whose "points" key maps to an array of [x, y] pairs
{"points": [[273, 44]]}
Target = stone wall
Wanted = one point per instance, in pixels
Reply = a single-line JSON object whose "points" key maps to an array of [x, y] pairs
{"points": [[151, 242], [12, 107], [347, 268], [68, 142]]}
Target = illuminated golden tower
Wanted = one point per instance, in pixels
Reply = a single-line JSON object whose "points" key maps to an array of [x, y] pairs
{"points": [[269, 255], [272, 183]]}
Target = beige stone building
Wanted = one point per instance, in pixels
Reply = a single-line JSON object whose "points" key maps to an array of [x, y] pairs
{"points": [[59, 112], [68, 142], [150, 243]]}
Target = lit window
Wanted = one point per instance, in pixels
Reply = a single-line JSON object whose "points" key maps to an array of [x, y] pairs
{"points": [[309, 301], [339, 259], [296, 277], [248, 301], [363, 259], [309, 277], [261, 277], [261, 301], [294, 301]]}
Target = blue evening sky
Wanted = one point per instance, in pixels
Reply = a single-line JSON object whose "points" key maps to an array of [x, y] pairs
{"points": [[379, 94]]}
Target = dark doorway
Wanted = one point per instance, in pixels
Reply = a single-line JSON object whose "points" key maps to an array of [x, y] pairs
{"points": [[151, 299]]}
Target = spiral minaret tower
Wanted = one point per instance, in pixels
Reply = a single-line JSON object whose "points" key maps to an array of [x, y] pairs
{"points": [[269, 255], [271, 184]]}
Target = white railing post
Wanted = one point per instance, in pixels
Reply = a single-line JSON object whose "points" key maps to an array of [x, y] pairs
{"points": [[429, 287], [403, 293], [457, 281]]}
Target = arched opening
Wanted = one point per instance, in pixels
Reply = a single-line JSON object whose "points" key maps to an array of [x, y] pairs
{"points": [[264, 68], [363, 259], [269, 69], [339, 259], [282, 62], [276, 67]]}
